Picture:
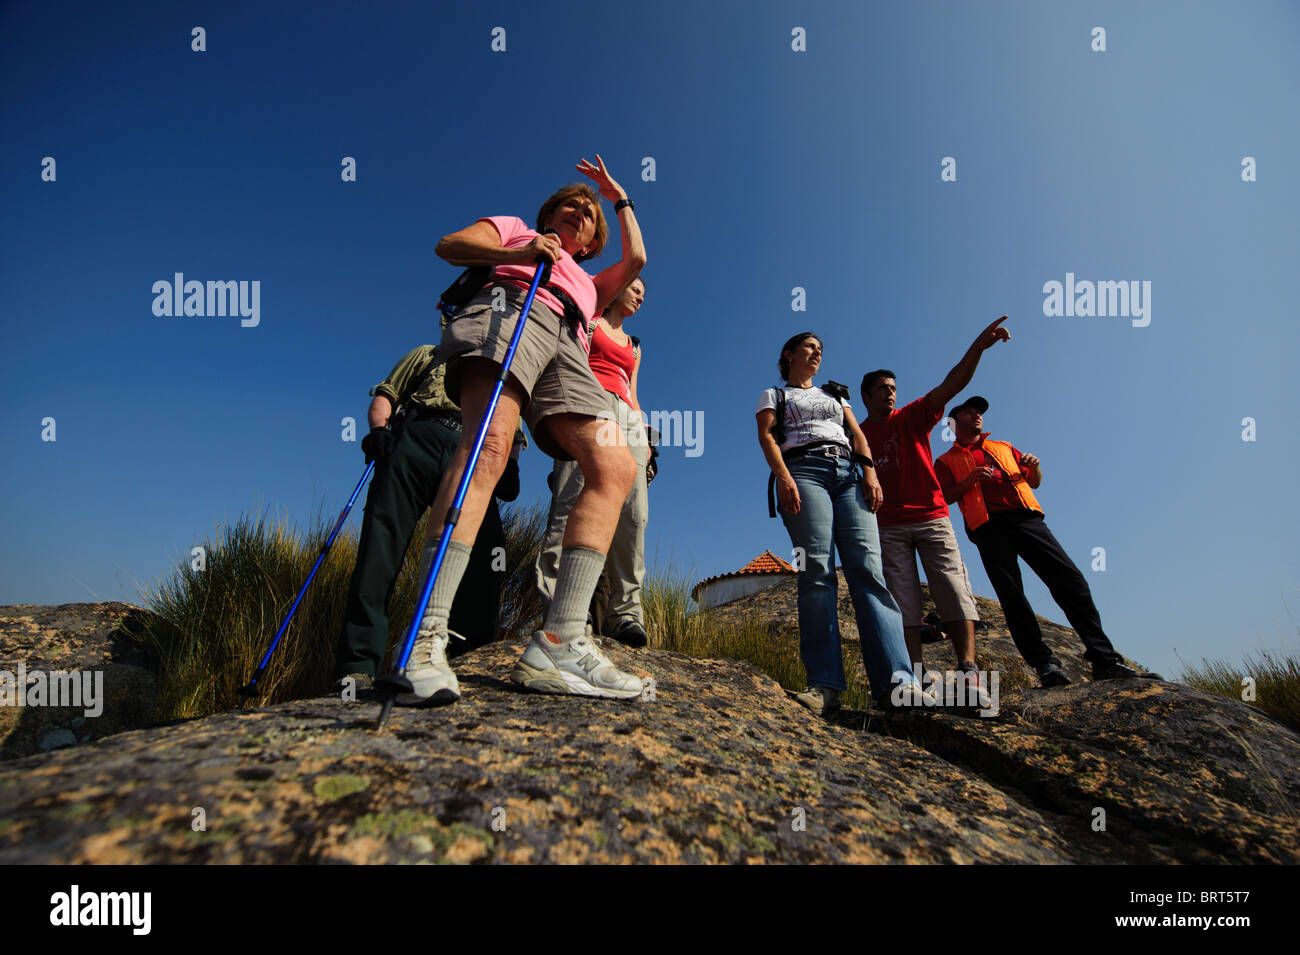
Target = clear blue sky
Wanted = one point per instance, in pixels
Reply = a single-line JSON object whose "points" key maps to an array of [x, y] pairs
{"points": [[774, 169]]}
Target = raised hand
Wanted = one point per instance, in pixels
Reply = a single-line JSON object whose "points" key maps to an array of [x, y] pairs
{"points": [[603, 180], [993, 334]]}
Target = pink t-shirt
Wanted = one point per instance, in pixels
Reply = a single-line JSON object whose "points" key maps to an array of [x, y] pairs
{"points": [[566, 273]]}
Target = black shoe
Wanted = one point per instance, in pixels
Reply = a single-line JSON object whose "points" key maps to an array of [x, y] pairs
{"points": [[631, 634], [1050, 674], [359, 684], [1119, 670]]}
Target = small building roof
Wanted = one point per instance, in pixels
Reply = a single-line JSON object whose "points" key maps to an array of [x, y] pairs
{"points": [[765, 563]]}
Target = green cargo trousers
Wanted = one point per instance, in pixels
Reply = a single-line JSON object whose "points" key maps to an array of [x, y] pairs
{"points": [[402, 488]]}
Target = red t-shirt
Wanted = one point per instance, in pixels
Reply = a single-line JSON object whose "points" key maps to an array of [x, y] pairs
{"points": [[612, 363], [900, 447], [1001, 496]]}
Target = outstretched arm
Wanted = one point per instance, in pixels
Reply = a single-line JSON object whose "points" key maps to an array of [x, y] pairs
{"points": [[611, 281], [964, 370]]}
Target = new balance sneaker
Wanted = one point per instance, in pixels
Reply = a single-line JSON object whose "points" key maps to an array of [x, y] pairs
{"points": [[578, 667], [1119, 670], [431, 677], [822, 700]]}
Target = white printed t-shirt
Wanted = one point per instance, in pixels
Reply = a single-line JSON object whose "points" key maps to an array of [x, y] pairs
{"points": [[811, 416]]}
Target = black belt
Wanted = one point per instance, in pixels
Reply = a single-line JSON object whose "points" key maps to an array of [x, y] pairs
{"points": [[828, 449], [448, 419]]}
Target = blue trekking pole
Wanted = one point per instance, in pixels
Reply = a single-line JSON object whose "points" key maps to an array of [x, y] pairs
{"points": [[396, 682], [250, 688]]}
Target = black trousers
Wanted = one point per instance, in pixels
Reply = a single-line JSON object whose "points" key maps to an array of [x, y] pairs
{"points": [[1023, 534], [403, 486]]}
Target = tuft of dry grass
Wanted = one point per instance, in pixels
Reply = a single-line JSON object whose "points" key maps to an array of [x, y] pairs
{"points": [[1274, 674], [212, 626]]}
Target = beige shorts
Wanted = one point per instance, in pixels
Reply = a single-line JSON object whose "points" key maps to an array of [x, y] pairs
{"points": [[550, 364], [945, 571]]}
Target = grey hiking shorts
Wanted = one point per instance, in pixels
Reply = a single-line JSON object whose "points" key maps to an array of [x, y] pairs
{"points": [[550, 363]]}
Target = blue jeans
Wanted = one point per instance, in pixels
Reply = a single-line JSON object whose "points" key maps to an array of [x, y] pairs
{"points": [[833, 511]]}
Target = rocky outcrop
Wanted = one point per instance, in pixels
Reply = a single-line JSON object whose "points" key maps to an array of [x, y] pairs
{"points": [[93, 641], [720, 766]]}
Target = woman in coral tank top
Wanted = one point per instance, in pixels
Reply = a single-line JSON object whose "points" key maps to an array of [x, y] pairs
{"points": [[615, 360]]}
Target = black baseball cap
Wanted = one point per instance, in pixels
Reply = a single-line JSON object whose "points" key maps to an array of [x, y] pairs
{"points": [[974, 401]]}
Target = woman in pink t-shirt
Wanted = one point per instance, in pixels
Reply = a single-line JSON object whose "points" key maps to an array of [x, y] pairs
{"points": [[551, 385]]}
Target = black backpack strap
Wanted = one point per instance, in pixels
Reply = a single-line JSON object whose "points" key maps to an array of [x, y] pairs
{"points": [[778, 432], [468, 284], [571, 311]]}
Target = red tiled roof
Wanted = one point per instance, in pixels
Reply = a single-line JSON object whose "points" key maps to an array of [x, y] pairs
{"points": [[765, 563]]}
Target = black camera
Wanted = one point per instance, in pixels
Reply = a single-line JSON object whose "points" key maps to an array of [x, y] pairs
{"points": [[836, 390]]}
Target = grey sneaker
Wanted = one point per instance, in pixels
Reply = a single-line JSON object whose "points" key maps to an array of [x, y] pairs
{"points": [[822, 700], [431, 677], [578, 667]]}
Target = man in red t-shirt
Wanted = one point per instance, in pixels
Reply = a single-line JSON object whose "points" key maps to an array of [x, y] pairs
{"points": [[914, 518]]}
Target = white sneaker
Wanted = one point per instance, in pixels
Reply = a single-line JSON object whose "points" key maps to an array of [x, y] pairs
{"points": [[550, 665], [822, 700], [911, 694], [431, 676]]}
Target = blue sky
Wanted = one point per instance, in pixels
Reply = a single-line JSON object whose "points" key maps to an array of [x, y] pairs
{"points": [[774, 168]]}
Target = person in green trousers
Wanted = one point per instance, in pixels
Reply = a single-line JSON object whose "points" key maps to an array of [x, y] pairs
{"points": [[410, 456]]}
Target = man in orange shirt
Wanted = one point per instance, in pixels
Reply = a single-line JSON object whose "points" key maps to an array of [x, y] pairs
{"points": [[993, 482]]}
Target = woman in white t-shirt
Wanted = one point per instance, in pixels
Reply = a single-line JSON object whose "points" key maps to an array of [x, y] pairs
{"points": [[828, 504]]}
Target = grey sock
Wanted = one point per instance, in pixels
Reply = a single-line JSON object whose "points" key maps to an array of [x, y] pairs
{"points": [[575, 582], [453, 567]]}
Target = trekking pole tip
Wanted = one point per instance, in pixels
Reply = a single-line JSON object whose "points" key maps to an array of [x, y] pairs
{"points": [[384, 712]]}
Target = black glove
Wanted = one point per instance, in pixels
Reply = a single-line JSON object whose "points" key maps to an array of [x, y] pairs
{"points": [[651, 466], [378, 444], [507, 488]]}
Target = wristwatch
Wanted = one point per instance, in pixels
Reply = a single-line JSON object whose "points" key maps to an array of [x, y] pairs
{"points": [[624, 202], [862, 459]]}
